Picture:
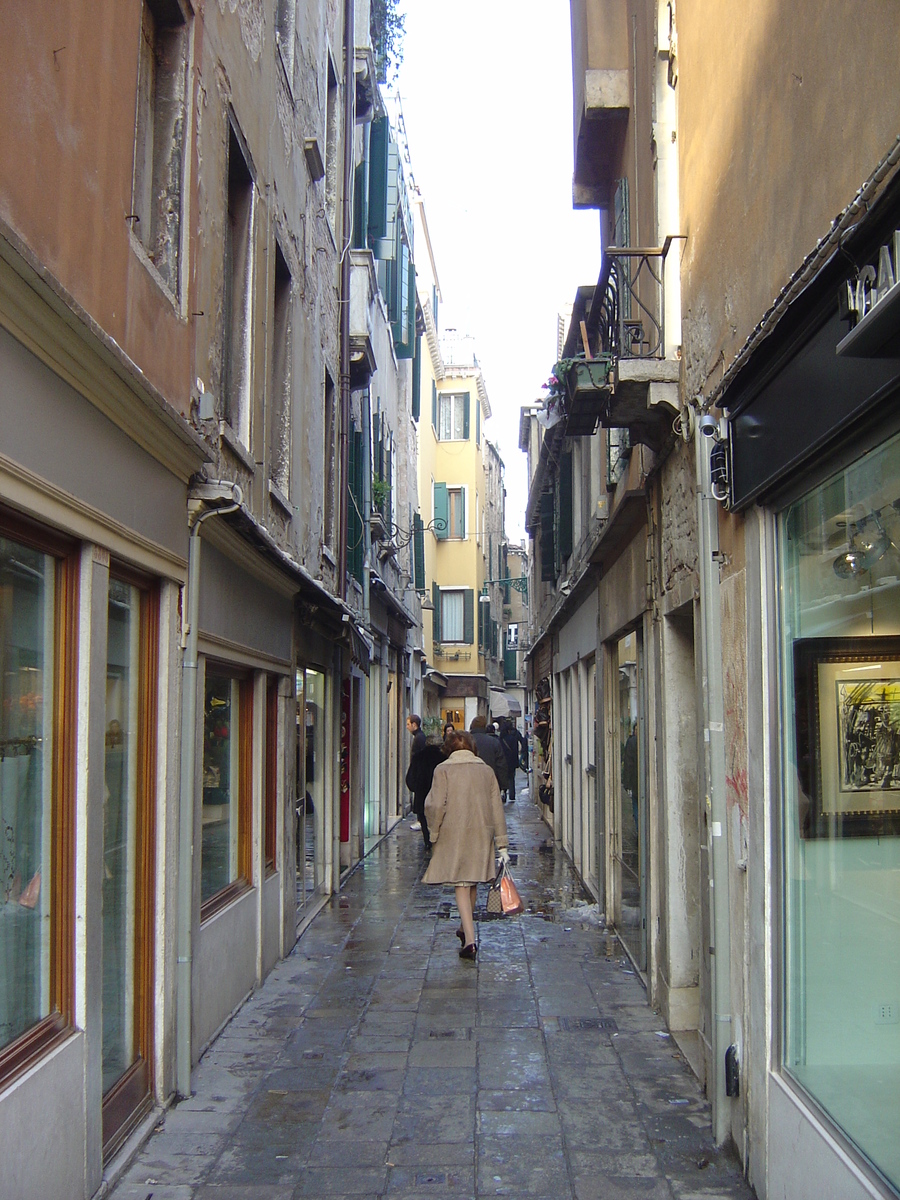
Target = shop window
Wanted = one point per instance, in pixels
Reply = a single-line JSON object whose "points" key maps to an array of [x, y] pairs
{"points": [[128, 809], [312, 784], [161, 130], [227, 733], [270, 812], [37, 728], [839, 567]]}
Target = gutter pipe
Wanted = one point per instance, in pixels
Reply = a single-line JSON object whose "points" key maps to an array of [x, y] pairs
{"points": [[231, 493], [346, 237], [716, 814]]}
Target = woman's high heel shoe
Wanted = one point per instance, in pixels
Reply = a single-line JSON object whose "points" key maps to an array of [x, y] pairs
{"points": [[461, 936], [469, 951]]}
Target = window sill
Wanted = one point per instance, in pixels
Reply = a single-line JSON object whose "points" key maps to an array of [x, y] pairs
{"points": [[236, 446], [221, 900], [328, 555], [280, 500], [20, 1055]]}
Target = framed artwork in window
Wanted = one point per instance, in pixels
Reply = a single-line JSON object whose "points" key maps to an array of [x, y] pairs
{"points": [[847, 725]]}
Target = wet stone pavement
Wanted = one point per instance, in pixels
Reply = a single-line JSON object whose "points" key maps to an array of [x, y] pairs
{"points": [[374, 1063]]}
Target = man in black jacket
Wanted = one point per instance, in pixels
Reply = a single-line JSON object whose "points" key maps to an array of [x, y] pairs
{"points": [[487, 746], [423, 760]]}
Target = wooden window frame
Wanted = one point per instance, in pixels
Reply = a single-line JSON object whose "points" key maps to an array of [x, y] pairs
{"points": [[244, 880], [130, 1097], [50, 1031]]}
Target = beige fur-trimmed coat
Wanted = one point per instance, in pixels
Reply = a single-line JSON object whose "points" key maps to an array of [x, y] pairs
{"points": [[465, 821]]}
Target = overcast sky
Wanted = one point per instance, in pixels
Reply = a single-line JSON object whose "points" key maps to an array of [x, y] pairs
{"points": [[486, 91]]}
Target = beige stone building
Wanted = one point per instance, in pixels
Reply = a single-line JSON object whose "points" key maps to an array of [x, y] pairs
{"points": [[726, 400]]}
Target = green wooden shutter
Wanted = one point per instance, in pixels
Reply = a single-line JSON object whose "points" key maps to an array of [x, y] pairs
{"points": [[434, 408], [441, 511], [417, 380], [469, 616], [466, 417], [565, 505], [481, 608], [548, 553], [378, 181], [418, 553], [461, 532], [495, 638], [360, 208], [509, 665], [477, 422], [436, 615]]}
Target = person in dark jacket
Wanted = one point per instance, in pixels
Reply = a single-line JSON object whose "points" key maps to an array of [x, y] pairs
{"points": [[418, 780], [487, 747], [514, 748]]}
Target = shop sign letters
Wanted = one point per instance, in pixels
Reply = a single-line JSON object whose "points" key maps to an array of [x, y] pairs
{"points": [[873, 283]]}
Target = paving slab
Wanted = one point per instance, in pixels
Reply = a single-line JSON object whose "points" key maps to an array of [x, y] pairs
{"points": [[373, 1065]]}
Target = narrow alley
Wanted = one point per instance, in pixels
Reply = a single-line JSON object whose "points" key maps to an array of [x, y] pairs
{"points": [[373, 1063]]}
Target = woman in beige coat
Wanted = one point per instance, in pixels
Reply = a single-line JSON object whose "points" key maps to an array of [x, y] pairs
{"points": [[466, 822]]}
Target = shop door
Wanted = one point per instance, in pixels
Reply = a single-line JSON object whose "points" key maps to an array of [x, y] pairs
{"points": [[589, 770], [311, 786], [630, 845], [127, 882]]}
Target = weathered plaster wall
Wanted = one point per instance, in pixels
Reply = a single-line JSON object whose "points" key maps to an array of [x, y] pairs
{"points": [[784, 111], [67, 123]]}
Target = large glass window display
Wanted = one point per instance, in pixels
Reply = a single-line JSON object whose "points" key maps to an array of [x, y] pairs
{"points": [[630, 843], [27, 681], [839, 566], [223, 769], [311, 798]]}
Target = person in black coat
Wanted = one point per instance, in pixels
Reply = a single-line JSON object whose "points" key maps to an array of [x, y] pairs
{"points": [[487, 746], [515, 749], [418, 780]]}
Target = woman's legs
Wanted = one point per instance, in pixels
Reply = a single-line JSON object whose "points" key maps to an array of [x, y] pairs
{"points": [[465, 902]]}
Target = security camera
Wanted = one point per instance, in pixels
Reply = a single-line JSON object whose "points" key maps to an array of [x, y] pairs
{"points": [[707, 424]]}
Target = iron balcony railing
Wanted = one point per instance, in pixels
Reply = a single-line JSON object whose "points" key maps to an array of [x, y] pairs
{"points": [[627, 313]]}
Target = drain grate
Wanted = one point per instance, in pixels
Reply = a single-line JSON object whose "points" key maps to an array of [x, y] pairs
{"points": [[576, 1024]]}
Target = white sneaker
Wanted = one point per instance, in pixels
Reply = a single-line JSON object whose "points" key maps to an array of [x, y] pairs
{"points": [[415, 826]]}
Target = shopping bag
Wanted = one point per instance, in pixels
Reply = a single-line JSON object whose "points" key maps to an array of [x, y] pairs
{"points": [[494, 899], [510, 899]]}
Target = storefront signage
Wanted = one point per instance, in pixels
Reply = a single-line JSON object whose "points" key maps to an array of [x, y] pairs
{"points": [[874, 282]]}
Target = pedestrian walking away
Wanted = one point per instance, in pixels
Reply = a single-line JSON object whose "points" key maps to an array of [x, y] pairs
{"points": [[487, 747], [419, 742], [465, 816]]}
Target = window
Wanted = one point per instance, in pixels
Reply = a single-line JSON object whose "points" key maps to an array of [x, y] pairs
{"points": [[451, 615], [160, 133], [285, 19], [37, 722], [449, 511], [280, 428], [238, 332], [329, 464], [456, 505], [331, 144], [838, 566], [453, 416], [457, 615], [227, 731]]}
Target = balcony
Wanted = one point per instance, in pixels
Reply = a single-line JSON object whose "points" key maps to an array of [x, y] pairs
{"points": [[620, 376]]}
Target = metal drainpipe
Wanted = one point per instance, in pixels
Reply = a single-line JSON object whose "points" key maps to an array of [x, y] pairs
{"points": [[184, 936], [714, 739], [346, 237]]}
